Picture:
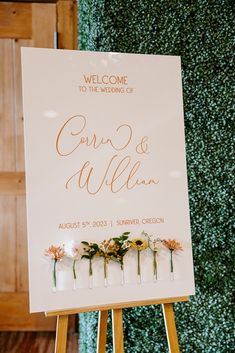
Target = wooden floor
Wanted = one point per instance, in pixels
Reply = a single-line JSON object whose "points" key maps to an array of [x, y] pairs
{"points": [[34, 342]]}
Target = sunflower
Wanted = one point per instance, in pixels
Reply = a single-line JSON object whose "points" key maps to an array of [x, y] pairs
{"points": [[139, 244]]}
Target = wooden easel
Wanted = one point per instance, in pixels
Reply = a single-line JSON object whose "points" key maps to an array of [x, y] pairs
{"points": [[117, 324]]}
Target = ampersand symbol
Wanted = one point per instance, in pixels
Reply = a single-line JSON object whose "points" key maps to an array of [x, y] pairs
{"points": [[142, 147]]}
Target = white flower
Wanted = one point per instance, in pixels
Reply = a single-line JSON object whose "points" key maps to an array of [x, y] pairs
{"points": [[126, 244], [154, 244], [72, 250]]}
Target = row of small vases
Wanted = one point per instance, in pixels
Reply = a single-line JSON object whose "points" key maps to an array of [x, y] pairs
{"points": [[113, 249]]}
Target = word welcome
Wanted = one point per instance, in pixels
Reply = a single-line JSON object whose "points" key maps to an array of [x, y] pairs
{"points": [[105, 79]]}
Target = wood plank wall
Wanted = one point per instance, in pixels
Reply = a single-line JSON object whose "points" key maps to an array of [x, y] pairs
{"points": [[21, 24]]}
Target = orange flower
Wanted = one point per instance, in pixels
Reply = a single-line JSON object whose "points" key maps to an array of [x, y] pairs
{"points": [[55, 252], [172, 244]]}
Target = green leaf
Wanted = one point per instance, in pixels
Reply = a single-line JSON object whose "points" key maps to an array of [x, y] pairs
{"points": [[85, 257]]}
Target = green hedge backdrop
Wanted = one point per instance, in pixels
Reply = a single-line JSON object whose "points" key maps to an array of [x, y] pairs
{"points": [[201, 33]]}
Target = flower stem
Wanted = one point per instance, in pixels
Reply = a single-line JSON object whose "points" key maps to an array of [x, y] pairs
{"points": [[105, 267], [122, 277], [105, 273], [90, 267], [54, 273], [155, 264], [74, 269], [138, 258], [171, 261]]}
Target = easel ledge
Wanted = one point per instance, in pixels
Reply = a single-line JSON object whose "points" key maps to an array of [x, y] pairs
{"points": [[118, 344]]}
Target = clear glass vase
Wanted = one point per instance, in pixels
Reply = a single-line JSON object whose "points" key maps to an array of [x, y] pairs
{"points": [[155, 266], [90, 282], [138, 268], [74, 275], [171, 266], [74, 284], [122, 277], [105, 272], [54, 276], [90, 279]]}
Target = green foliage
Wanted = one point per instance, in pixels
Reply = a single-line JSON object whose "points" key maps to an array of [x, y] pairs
{"points": [[122, 246], [90, 250], [201, 32]]}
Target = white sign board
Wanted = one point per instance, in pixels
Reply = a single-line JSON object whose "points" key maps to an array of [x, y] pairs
{"points": [[105, 155]]}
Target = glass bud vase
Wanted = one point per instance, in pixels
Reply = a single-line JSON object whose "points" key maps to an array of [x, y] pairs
{"points": [[90, 279], [90, 282], [171, 266], [122, 278], [155, 266], [74, 275], [105, 272], [138, 268], [54, 276]]}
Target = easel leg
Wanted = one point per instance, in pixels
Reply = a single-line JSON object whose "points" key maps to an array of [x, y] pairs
{"points": [[169, 319], [118, 344], [61, 334], [102, 331]]}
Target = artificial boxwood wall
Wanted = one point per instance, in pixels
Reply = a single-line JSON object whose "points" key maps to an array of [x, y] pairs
{"points": [[201, 33]]}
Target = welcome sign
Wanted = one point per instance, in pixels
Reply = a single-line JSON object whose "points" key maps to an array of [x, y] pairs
{"points": [[107, 205]]}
